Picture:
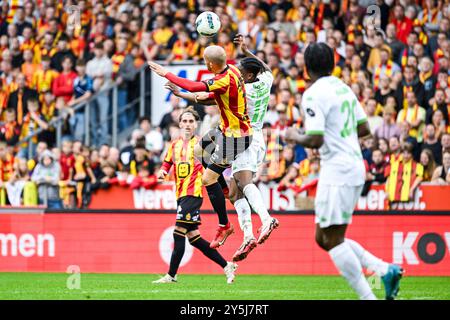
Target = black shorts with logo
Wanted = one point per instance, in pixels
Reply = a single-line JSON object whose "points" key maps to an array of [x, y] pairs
{"points": [[223, 150], [188, 212]]}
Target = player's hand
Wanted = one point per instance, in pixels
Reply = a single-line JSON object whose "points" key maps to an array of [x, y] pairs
{"points": [[291, 135], [240, 42], [158, 69], [170, 86], [202, 96], [161, 175]]}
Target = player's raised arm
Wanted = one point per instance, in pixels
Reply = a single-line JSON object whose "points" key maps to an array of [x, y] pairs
{"points": [[200, 98], [240, 42], [186, 84]]}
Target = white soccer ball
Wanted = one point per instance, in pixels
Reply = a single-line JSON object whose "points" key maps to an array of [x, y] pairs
{"points": [[207, 24]]}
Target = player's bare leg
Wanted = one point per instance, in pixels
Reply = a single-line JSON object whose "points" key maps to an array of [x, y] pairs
{"points": [[201, 244], [245, 221], [350, 258], [217, 199], [244, 180], [332, 240]]}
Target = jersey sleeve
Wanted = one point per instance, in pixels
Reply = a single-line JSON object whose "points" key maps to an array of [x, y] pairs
{"points": [[314, 116], [218, 84], [267, 78], [361, 116]]}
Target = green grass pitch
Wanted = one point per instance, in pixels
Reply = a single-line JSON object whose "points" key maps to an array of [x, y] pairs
{"points": [[246, 287]]}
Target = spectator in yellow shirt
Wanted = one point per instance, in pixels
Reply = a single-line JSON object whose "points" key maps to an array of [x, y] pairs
{"points": [[162, 33], [43, 78]]}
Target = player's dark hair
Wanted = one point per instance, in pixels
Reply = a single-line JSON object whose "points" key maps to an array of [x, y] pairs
{"points": [[252, 65], [319, 59]]}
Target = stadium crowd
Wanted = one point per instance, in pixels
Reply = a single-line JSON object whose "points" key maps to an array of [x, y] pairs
{"points": [[397, 63]]}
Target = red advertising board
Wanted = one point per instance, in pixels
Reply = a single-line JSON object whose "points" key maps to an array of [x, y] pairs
{"points": [[427, 197], [142, 243]]}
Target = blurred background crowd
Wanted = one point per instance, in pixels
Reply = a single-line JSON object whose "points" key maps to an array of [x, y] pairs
{"points": [[396, 61]]}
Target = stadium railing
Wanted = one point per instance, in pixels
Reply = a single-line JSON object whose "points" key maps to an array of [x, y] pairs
{"points": [[143, 101], [114, 114]]}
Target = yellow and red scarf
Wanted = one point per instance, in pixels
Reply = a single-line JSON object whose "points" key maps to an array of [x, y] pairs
{"points": [[388, 72]]}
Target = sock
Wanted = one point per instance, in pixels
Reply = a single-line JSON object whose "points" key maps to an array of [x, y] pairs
{"points": [[177, 253], [245, 217], [203, 245], [222, 182], [368, 260], [350, 268], [256, 201], [217, 199]]}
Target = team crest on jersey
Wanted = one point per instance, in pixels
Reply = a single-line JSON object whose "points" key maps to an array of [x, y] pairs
{"points": [[310, 112], [210, 82]]}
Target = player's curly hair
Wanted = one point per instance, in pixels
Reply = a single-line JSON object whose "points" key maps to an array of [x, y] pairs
{"points": [[252, 65], [319, 59], [190, 110]]}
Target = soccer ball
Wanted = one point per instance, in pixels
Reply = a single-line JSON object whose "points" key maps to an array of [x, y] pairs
{"points": [[207, 24]]}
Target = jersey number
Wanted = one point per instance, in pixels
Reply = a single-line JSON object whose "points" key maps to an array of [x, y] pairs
{"points": [[350, 124]]}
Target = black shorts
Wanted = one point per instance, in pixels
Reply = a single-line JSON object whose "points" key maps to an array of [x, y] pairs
{"points": [[188, 212], [223, 150]]}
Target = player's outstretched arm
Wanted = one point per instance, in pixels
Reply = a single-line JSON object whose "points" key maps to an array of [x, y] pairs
{"points": [[313, 141], [200, 98], [239, 41], [186, 84]]}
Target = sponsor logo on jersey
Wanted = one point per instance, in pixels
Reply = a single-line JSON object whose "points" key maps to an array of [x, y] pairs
{"points": [[310, 112]]}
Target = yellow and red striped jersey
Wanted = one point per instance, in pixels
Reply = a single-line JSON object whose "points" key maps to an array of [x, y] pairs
{"points": [[42, 80], [401, 178], [229, 92], [188, 169]]}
